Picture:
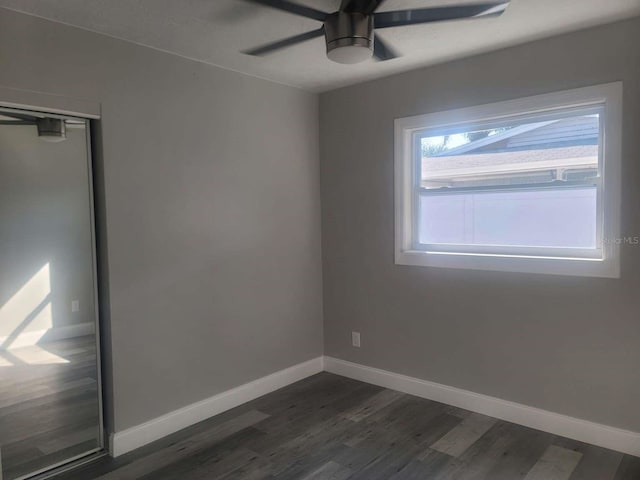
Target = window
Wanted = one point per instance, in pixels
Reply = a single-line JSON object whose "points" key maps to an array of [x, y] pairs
{"points": [[530, 185]]}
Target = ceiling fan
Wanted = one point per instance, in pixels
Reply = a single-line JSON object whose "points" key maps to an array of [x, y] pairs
{"points": [[349, 32]]}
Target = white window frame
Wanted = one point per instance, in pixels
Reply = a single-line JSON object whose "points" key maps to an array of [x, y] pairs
{"points": [[607, 261]]}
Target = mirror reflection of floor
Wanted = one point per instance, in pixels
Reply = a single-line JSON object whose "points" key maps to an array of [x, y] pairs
{"points": [[49, 408]]}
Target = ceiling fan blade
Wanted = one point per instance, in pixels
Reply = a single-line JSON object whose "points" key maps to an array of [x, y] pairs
{"points": [[294, 8], [362, 6], [382, 51], [426, 15], [285, 42]]}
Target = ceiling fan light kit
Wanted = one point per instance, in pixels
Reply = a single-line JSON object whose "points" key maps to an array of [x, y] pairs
{"points": [[349, 32], [349, 37]]}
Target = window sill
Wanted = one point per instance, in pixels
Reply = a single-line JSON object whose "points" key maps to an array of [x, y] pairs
{"points": [[607, 268]]}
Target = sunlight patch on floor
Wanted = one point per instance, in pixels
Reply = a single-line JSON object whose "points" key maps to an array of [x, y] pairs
{"points": [[37, 355]]}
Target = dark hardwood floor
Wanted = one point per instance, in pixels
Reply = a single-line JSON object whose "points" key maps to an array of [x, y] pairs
{"points": [[331, 427], [49, 409]]}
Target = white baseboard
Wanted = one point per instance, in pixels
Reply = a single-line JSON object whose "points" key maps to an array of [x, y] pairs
{"points": [[28, 339], [140, 435], [588, 432]]}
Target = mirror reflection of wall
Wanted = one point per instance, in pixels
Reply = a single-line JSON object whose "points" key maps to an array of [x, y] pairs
{"points": [[49, 381]]}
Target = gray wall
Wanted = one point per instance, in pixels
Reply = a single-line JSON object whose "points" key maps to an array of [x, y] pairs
{"points": [[44, 222], [211, 194], [566, 344]]}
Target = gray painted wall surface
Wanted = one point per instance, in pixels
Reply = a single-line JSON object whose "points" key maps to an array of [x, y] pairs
{"points": [[566, 344], [45, 222], [211, 185]]}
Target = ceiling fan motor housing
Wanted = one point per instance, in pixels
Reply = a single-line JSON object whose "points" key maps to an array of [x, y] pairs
{"points": [[349, 36]]}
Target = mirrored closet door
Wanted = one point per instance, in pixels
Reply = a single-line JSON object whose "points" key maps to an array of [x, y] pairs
{"points": [[50, 397]]}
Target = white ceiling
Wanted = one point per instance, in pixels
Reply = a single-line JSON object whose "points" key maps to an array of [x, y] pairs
{"points": [[214, 31]]}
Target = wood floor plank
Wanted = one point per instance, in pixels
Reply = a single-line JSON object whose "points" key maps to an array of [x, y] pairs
{"points": [[597, 463], [435, 430], [418, 470], [219, 461], [372, 405], [521, 454], [408, 417], [481, 457], [306, 463], [384, 459], [458, 440], [259, 468], [329, 471], [307, 449], [68, 440], [629, 469], [557, 463], [45, 390]]}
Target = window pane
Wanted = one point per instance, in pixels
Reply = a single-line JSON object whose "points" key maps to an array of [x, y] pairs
{"points": [[543, 218], [542, 152], [562, 149]]}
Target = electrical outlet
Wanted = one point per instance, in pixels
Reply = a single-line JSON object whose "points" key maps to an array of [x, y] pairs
{"points": [[75, 306], [355, 339]]}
